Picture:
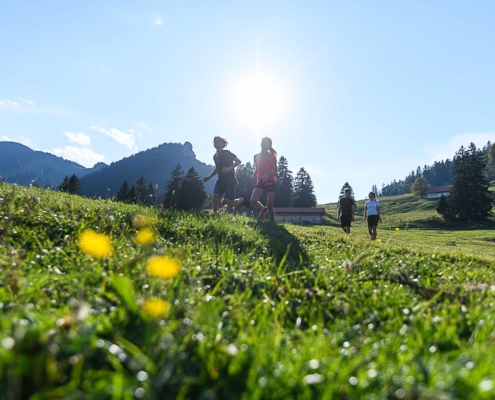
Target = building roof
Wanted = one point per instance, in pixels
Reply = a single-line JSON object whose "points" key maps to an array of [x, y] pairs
{"points": [[440, 189], [300, 210]]}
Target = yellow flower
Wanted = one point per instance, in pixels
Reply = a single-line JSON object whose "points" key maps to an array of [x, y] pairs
{"points": [[145, 236], [397, 229], [95, 244], [378, 240], [163, 267], [155, 307]]}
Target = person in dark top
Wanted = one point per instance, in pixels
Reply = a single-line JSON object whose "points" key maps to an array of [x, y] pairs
{"points": [[346, 207], [225, 163]]}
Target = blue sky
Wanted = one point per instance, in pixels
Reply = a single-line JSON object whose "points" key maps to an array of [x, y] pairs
{"points": [[357, 91]]}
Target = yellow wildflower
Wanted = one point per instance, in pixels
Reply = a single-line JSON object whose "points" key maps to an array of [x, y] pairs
{"points": [[397, 229], [95, 244], [155, 307], [163, 267], [378, 240], [145, 236]]}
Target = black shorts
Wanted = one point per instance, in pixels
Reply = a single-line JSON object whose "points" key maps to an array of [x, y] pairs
{"points": [[373, 220], [345, 220], [268, 186]]}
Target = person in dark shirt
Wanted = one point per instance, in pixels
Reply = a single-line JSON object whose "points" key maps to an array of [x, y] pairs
{"points": [[225, 163], [346, 207]]}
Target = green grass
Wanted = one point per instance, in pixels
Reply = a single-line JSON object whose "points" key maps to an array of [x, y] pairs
{"points": [[258, 310]]}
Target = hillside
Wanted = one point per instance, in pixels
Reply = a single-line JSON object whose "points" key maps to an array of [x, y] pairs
{"points": [[257, 310], [19, 164], [418, 222], [154, 164]]}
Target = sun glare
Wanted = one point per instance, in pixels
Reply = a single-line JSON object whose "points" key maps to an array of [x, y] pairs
{"points": [[258, 101]]}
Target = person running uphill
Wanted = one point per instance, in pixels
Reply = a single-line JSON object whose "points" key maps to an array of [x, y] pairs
{"points": [[225, 163], [346, 207], [372, 211], [266, 178]]}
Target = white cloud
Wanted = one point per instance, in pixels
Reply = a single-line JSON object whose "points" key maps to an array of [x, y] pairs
{"points": [[79, 138], [30, 102], [6, 138], [447, 149], [158, 20], [81, 155], [119, 136], [8, 103], [26, 141]]}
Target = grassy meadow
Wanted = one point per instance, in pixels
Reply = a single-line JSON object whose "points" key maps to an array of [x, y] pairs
{"points": [[256, 311]]}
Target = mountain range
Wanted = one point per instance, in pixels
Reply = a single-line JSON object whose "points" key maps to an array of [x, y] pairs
{"points": [[22, 165]]}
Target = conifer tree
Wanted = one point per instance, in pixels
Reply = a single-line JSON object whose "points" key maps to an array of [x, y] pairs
{"points": [[141, 190], [490, 166], [245, 184], [469, 197], [64, 186], [123, 193], [285, 185], [71, 185], [75, 185], [191, 193], [444, 208], [344, 188], [303, 190], [172, 187]]}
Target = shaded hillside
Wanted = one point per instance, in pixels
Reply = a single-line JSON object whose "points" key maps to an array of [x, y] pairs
{"points": [[19, 164], [154, 164]]}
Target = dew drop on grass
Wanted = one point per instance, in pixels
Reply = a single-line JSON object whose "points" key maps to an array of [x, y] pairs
{"points": [[8, 343], [142, 376]]}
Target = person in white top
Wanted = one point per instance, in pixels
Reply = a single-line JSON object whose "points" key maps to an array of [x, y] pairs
{"points": [[372, 211]]}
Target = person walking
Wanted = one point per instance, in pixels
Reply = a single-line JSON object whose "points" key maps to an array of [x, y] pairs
{"points": [[346, 208], [225, 163], [372, 212], [265, 175]]}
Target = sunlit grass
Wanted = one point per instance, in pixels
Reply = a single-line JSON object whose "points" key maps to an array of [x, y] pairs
{"points": [[239, 314]]}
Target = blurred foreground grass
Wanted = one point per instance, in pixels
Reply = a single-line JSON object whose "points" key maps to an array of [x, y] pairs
{"points": [[257, 310]]}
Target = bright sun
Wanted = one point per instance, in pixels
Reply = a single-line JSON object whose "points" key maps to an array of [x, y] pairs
{"points": [[258, 101]]}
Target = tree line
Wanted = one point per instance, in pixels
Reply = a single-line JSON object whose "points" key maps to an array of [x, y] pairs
{"points": [[186, 191], [439, 174]]}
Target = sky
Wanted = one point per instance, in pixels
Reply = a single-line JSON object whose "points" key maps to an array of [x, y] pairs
{"points": [[360, 92]]}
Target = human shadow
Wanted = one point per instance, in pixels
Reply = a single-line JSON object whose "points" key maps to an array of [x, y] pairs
{"points": [[284, 245]]}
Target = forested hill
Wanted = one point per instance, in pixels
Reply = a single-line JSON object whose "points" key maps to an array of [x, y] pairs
{"points": [[438, 174], [154, 165], [22, 165]]}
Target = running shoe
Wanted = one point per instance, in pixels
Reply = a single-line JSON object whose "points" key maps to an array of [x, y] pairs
{"points": [[263, 213]]}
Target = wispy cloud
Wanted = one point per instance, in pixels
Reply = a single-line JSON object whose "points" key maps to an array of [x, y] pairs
{"points": [[30, 102], [6, 138], [26, 142], [81, 155], [447, 149], [8, 103], [79, 138], [119, 136], [158, 20]]}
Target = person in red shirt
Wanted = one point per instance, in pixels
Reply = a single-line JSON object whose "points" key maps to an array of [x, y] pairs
{"points": [[266, 178]]}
